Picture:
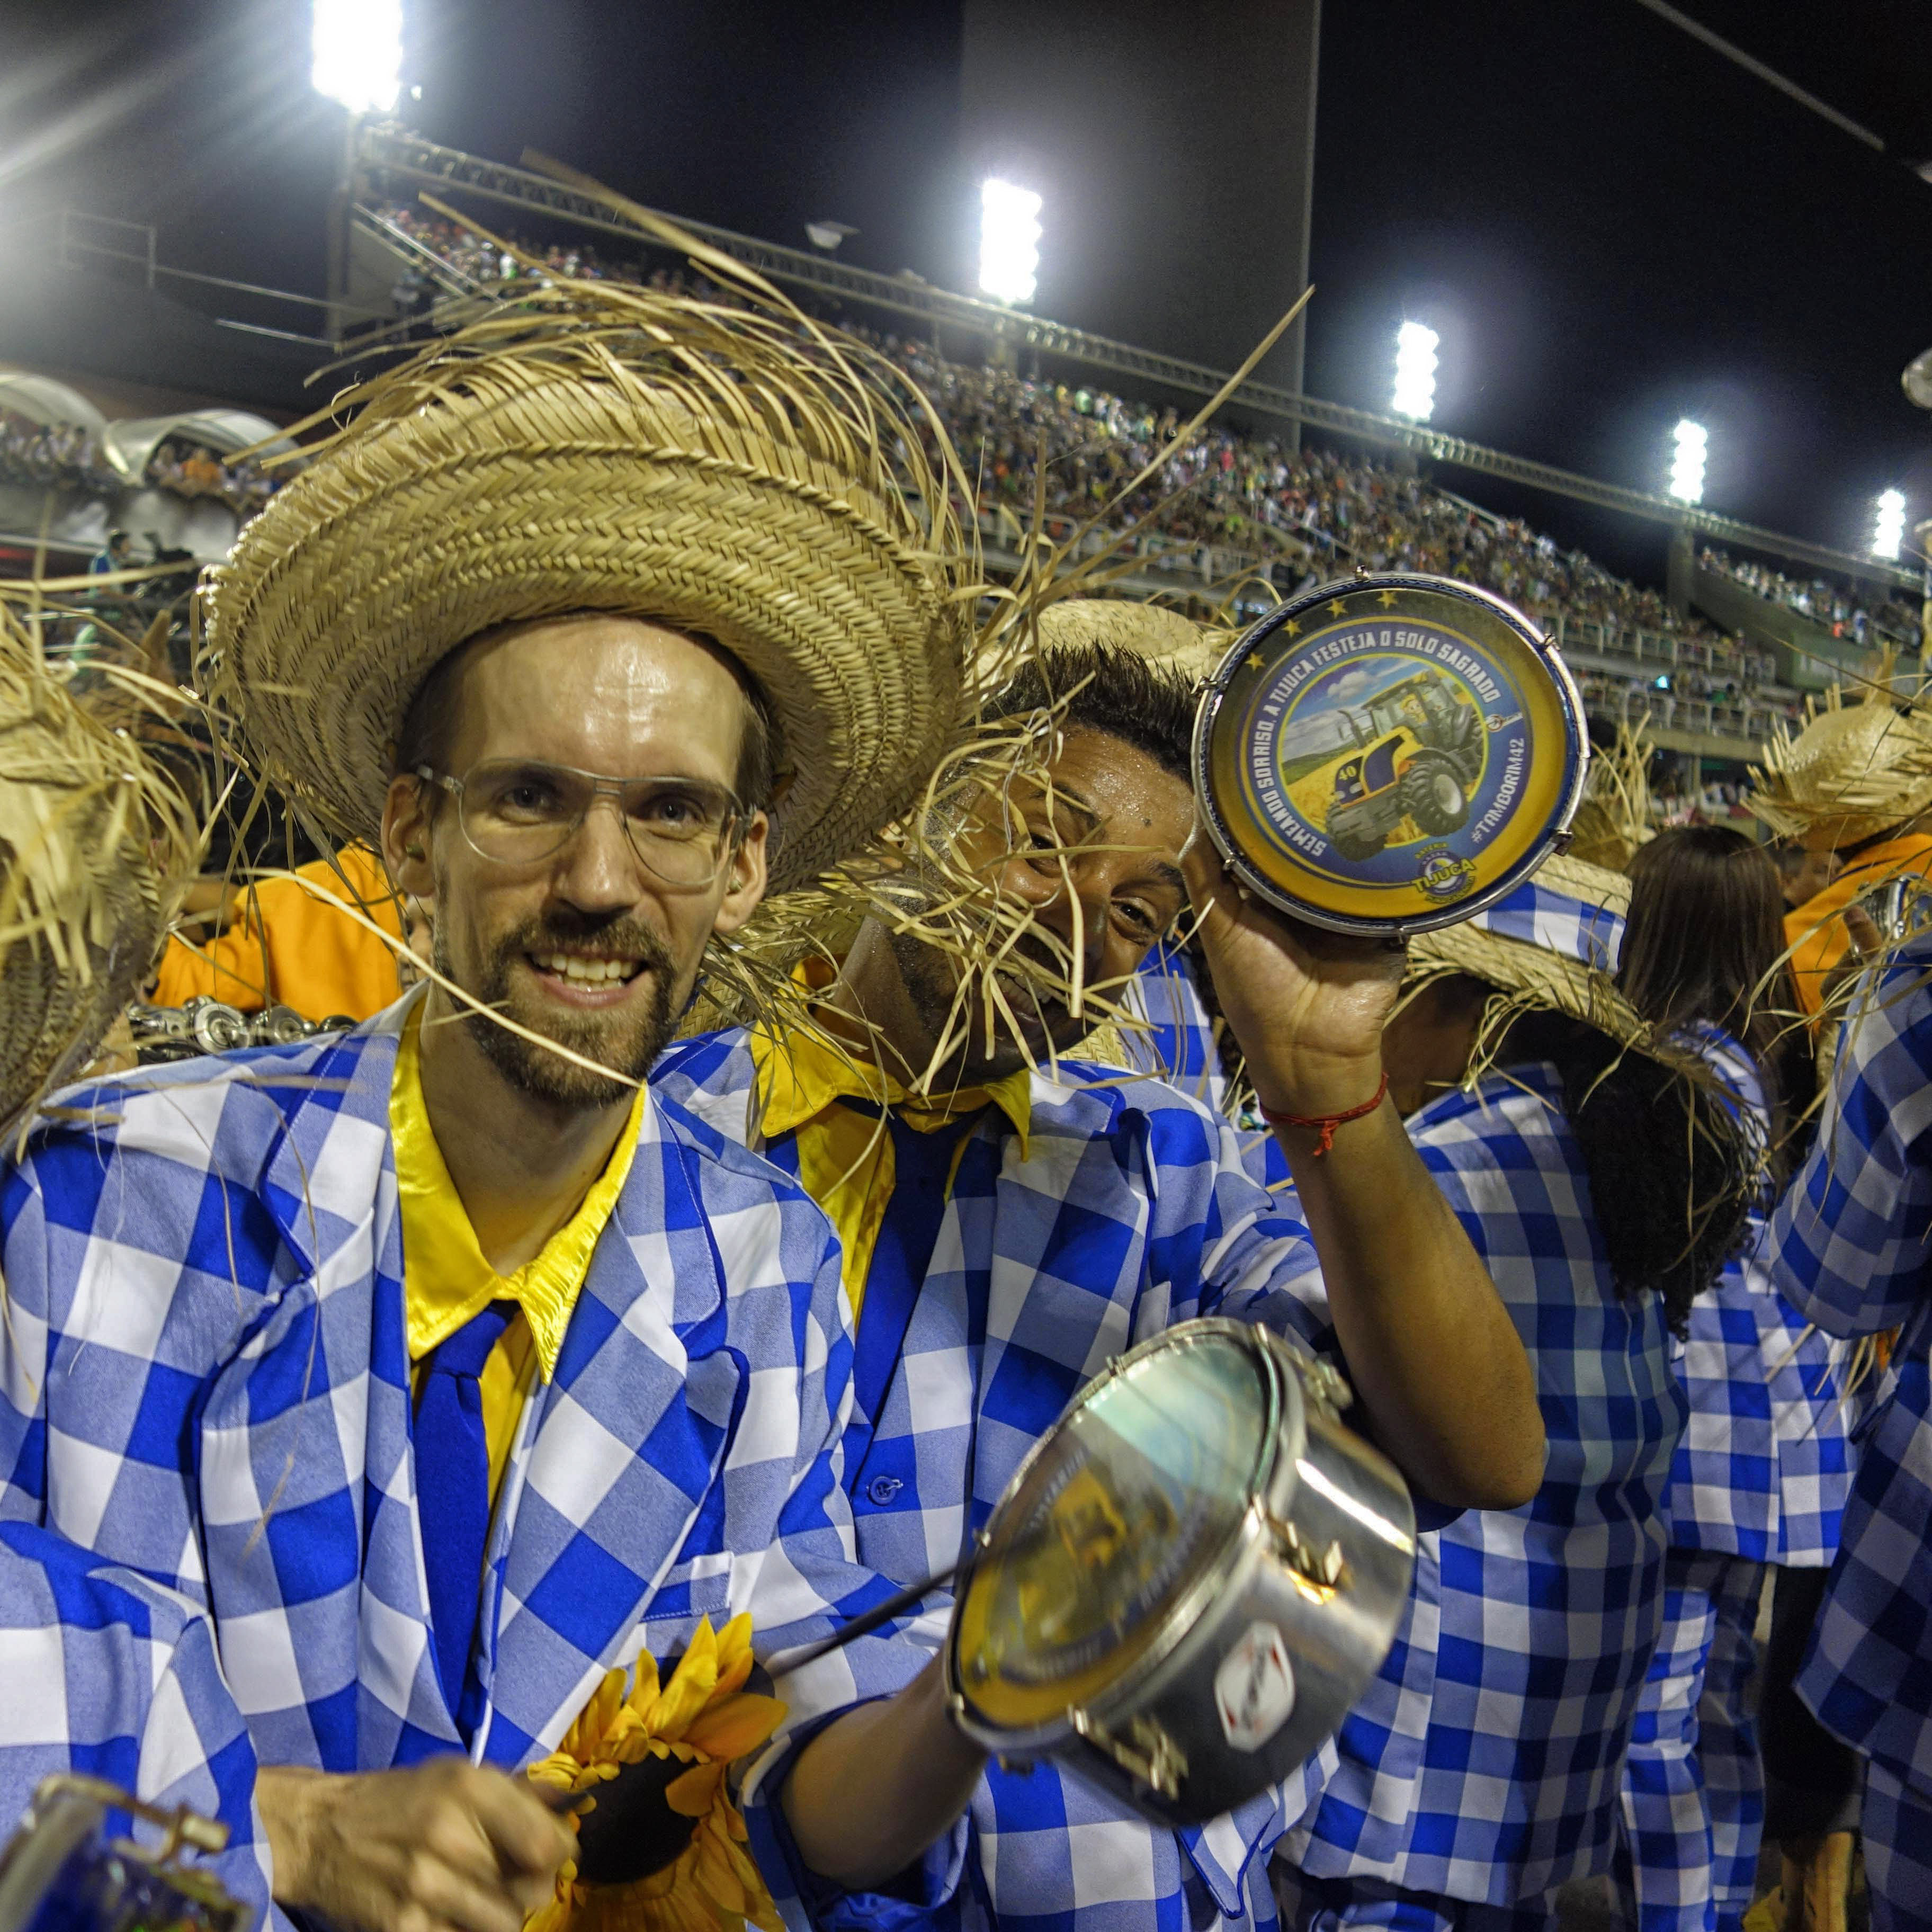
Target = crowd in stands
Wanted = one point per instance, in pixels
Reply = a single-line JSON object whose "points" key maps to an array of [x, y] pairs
{"points": [[63, 456], [1831, 605], [1231, 503], [194, 470]]}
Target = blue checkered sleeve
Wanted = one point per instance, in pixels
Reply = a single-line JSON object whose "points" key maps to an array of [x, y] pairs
{"points": [[109, 1675], [1850, 1235]]}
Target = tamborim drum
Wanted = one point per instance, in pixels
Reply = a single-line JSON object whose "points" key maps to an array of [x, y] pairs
{"points": [[1189, 1580], [61, 1872], [1383, 754]]}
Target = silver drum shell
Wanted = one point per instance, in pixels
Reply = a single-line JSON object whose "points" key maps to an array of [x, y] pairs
{"points": [[1323, 1557]]}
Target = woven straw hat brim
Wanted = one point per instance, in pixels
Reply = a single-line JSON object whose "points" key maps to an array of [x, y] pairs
{"points": [[561, 496], [1536, 975], [1854, 771]]}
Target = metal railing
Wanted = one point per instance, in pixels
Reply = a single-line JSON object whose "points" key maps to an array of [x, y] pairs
{"points": [[405, 156]]}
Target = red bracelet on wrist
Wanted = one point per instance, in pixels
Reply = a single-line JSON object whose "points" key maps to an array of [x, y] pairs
{"points": [[1325, 1124]]}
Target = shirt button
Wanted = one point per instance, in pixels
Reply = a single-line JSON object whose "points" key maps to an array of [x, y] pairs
{"points": [[882, 1489]]}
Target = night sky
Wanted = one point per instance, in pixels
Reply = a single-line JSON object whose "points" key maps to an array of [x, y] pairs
{"points": [[1610, 225]]}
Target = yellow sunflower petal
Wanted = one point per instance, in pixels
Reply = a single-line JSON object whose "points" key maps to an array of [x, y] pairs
{"points": [[691, 1795], [729, 1729], [690, 1688], [734, 1654]]}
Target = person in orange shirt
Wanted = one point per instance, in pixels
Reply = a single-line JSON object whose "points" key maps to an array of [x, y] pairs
{"points": [[1857, 781], [293, 944]]}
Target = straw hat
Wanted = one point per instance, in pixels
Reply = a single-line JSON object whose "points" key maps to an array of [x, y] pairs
{"points": [[92, 841], [1856, 770], [1553, 942], [739, 474], [1150, 631], [1613, 820]]}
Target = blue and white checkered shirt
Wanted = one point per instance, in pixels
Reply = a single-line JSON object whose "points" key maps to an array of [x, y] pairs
{"points": [[1128, 1211], [109, 1675], [205, 1377], [1850, 1240], [1765, 1463], [1483, 1763]]}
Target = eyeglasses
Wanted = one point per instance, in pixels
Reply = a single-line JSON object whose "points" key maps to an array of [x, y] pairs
{"points": [[517, 811]]}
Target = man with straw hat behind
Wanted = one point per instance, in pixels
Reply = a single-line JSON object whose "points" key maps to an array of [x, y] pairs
{"points": [[1856, 780], [444, 1361], [1603, 1182], [105, 1673], [1013, 1214]]}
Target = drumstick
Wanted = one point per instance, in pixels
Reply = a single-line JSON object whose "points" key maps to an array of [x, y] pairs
{"points": [[869, 1620]]}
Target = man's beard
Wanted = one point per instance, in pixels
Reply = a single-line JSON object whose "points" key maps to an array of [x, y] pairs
{"points": [[626, 1047]]}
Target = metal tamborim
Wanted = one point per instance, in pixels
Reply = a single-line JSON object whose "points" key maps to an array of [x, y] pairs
{"points": [[1189, 1580], [1386, 754], [61, 1872]]}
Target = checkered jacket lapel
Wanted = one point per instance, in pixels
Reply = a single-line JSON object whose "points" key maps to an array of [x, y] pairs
{"points": [[643, 1363]]}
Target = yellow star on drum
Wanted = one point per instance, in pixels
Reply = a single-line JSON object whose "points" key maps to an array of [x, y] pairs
{"points": [[1291, 628], [1387, 597], [1335, 604]]}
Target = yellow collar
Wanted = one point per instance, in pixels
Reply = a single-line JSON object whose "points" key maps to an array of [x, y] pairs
{"points": [[800, 1075], [446, 1279]]}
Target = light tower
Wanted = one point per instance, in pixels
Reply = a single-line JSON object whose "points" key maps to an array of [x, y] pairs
{"points": [[1691, 440], [355, 58], [1415, 362], [1888, 530], [1009, 233]]}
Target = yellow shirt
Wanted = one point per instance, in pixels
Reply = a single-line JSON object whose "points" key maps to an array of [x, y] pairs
{"points": [[1816, 932], [445, 1279], [845, 1159], [298, 946]]}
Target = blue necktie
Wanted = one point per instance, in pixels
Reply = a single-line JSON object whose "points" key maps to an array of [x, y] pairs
{"points": [[453, 1489]]}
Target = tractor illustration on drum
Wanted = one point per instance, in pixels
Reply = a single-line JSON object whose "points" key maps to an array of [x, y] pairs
{"points": [[1418, 754]]}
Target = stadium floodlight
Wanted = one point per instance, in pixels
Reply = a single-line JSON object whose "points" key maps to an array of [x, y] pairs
{"points": [[1687, 463], [1889, 531], [1009, 241], [356, 53], [1414, 372]]}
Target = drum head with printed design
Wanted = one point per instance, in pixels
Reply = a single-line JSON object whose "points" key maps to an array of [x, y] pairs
{"points": [[1389, 753], [1129, 1501]]}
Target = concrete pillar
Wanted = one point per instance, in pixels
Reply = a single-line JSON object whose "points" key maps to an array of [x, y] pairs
{"points": [[1679, 569]]}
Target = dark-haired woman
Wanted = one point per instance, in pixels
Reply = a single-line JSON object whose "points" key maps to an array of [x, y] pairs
{"points": [[1603, 1189], [1764, 1470]]}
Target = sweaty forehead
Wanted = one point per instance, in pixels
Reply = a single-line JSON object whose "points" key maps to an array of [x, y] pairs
{"points": [[604, 693], [1136, 800]]}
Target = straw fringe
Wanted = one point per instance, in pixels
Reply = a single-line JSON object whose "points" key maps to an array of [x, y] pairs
{"points": [[96, 842]]}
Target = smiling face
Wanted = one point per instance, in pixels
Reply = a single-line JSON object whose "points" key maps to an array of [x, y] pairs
{"points": [[584, 945], [1112, 828]]}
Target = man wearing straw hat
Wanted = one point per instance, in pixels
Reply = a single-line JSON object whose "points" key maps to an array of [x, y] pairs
{"points": [[1015, 1219], [1604, 1183], [446, 1363], [1850, 1242], [105, 1673], [1857, 781]]}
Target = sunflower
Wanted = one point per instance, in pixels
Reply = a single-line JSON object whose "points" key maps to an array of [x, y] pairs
{"points": [[703, 1719]]}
